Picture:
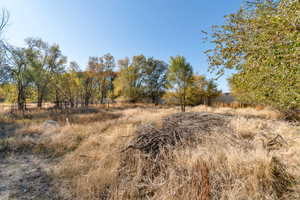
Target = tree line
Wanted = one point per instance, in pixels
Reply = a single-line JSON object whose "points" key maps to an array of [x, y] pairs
{"points": [[260, 42], [39, 73]]}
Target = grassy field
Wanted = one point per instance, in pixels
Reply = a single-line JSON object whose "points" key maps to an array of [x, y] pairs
{"points": [[254, 155]]}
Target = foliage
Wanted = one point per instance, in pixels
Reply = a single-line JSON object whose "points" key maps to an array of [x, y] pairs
{"points": [[143, 78], [19, 73], [38, 73], [102, 69], [200, 91], [44, 61], [180, 78], [211, 91], [9, 92], [154, 79], [133, 78], [261, 42]]}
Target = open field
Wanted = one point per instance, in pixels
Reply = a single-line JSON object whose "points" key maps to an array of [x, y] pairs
{"points": [[94, 154], [150, 100]]}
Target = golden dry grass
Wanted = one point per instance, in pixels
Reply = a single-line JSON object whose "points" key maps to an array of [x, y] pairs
{"points": [[229, 165]]}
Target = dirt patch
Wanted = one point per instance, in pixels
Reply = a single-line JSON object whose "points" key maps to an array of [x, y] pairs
{"points": [[24, 177]]}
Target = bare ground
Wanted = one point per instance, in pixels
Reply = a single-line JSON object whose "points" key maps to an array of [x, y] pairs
{"points": [[24, 175]]}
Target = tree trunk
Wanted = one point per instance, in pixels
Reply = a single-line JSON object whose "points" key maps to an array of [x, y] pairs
{"points": [[41, 94], [76, 103], [21, 103], [103, 96], [72, 103], [154, 100], [40, 100], [208, 101], [183, 103], [86, 101], [57, 101], [21, 98]]}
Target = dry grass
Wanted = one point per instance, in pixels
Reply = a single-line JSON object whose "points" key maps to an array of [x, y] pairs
{"points": [[249, 112], [241, 162], [92, 162]]}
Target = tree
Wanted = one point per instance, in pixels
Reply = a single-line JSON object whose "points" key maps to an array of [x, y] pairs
{"points": [[261, 42], [129, 81], [4, 68], [199, 91], [211, 91], [108, 77], [89, 86], [180, 76], [143, 79], [66, 87], [102, 67], [13, 66], [196, 92], [19, 72], [154, 79], [44, 62], [4, 18]]}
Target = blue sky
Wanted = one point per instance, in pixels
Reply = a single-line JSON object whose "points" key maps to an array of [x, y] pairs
{"points": [[158, 28]]}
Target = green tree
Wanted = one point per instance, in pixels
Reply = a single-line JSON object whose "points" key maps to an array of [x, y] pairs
{"points": [[67, 88], [102, 67], [180, 78], [20, 74], [128, 84], [154, 79], [9, 92], [89, 86], [109, 76], [196, 93], [44, 62], [261, 42], [199, 91], [211, 91]]}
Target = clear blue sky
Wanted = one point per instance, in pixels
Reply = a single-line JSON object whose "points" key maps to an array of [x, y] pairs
{"points": [[158, 28]]}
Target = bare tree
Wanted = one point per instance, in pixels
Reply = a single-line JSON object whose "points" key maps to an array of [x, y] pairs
{"points": [[4, 18]]}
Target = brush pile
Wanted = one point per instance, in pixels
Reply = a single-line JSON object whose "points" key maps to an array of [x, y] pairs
{"points": [[179, 128]]}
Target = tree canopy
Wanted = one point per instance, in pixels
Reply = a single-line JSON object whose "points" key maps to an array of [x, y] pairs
{"points": [[261, 42], [180, 77]]}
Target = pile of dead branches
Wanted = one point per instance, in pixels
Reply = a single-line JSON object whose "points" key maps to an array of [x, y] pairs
{"points": [[176, 129]]}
